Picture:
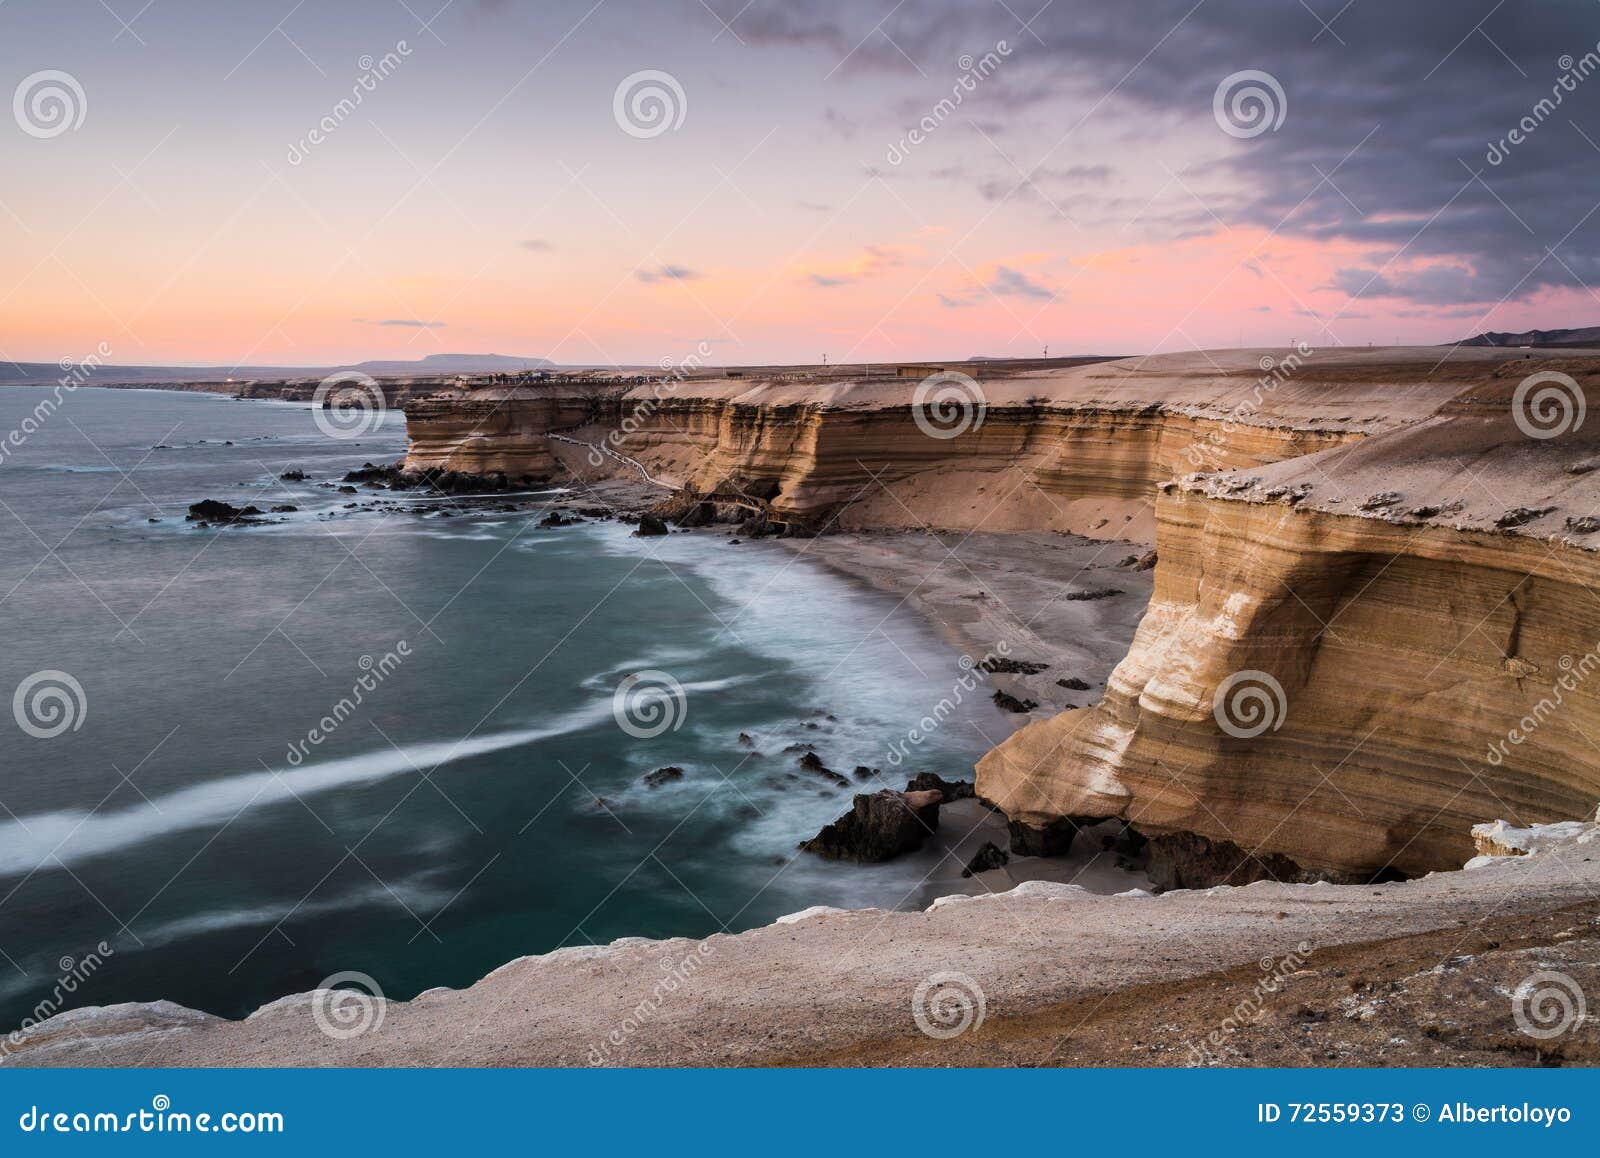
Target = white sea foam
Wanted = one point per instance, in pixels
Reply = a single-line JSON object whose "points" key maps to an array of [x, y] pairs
{"points": [[70, 836]]}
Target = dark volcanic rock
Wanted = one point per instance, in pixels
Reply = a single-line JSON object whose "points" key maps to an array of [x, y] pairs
{"points": [[862, 772], [1073, 684], [1126, 841], [285, 509], [215, 511], [879, 826], [557, 519], [990, 856], [949, 790], [450, 482], [347, 490], [1186, 860], [1146, 561], [1094, 593], [650, 525], [1012, 667], [1053, 839], [663, 776], [813, 764], [1009, 703], [293, 476]]}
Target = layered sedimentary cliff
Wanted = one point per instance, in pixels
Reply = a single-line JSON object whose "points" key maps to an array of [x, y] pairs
{"points": [[1369, 550], [1349, 657], [1081, 450]]}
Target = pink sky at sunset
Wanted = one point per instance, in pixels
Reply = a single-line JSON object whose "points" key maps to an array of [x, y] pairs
{"points": [[483, 198]]}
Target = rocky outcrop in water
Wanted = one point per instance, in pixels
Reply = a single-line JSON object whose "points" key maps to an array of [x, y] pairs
{"points": [[879, 826], [208, 512]]}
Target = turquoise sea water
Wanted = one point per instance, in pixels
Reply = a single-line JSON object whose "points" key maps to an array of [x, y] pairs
{"points": [[200, 817]]}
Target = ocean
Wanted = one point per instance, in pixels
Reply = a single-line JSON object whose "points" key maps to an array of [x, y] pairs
{"points": [[360, 738]]}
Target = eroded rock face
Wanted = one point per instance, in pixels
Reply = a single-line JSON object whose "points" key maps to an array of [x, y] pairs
{"points": [[1349, 690], [879, 826], [1400, 634], [1187, 860], [1081, 452]]}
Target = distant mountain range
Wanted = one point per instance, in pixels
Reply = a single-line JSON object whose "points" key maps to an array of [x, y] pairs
{"points": [[433, 364], [1586, 336]]}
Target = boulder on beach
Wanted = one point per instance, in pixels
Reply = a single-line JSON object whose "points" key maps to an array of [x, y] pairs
{"points": [[990, 856], [879, 826], [1052, 839], [1007, 702], [650, 525], [948, 790]]}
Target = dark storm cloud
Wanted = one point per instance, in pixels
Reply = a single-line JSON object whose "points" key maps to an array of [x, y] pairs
{"points": [[1391, 111]]}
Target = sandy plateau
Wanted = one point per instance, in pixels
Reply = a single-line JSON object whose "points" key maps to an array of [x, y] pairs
{"points": [[1329, 611]]}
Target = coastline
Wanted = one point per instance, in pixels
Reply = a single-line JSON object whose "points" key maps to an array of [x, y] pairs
{"points": [[1021, 592], [1031, 968]]}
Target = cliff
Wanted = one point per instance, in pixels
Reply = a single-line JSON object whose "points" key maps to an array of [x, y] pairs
{"points": [[1365, 549], [1348, 656], [1080, 449]]}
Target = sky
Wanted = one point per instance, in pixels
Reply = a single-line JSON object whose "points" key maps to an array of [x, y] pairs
{"points": [[615, 181]]}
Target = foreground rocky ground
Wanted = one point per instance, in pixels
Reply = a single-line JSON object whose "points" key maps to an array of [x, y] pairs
{"points": [[1427, 971]]}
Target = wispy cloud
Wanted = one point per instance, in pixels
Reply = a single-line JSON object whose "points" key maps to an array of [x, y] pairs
{"points": [[1008, 282], [411, 323], [665, 272], [536, 245], [872, 261]]}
